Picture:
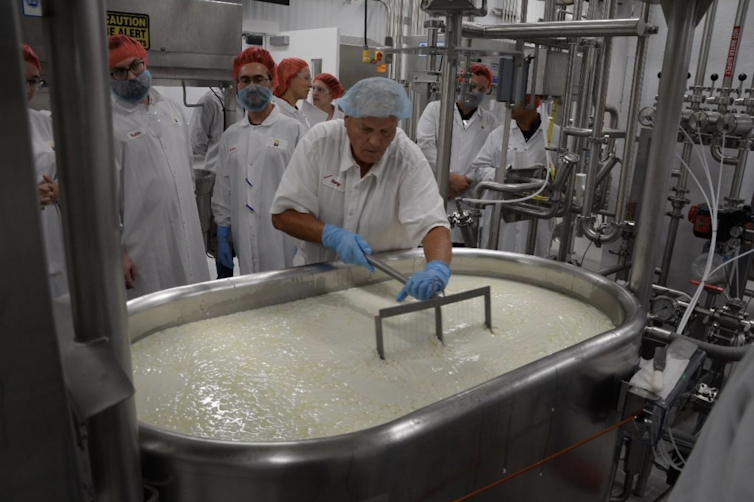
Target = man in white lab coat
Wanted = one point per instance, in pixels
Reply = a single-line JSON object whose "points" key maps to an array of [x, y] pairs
{"points": [[254, 153], [161, 236], [361, 184], [206, 128], [471, 126], [719, 468], [529, 136], [43, 148]]}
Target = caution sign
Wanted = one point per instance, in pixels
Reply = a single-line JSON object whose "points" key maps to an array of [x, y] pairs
{"points": [[135, 26]]}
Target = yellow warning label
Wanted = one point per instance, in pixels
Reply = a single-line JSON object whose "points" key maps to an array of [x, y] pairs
{"points": [[135, 26]]}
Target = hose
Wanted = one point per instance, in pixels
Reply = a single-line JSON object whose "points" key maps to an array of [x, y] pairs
{"points": [[716, 351]]}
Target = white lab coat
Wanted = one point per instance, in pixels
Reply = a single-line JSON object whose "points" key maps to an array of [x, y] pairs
{"points": [[468, 139], [719, 468], [43, 147], [291, 112], [207, 126], [314, 115], [252, 162], [513, 235], [161, 230], [393, 207]]}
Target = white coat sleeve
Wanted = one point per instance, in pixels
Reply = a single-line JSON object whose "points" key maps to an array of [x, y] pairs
{"points": [[120, 161], [187, 139], [420, 205], [221, 192], [426, 135], [483, 167], [201, 126], [299, 186]]}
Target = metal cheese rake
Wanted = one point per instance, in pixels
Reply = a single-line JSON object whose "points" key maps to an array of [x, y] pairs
{"points": [[435, 303]]}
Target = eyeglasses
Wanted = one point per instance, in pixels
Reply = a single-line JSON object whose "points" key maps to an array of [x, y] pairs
{"points": [[137, 67], [304, 77], [323, 90], [35, 83], [258, 80]]}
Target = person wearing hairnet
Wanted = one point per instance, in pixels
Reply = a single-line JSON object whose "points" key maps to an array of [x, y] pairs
{"points": [[325, 89], [471, 126], [359, 185], [531, 135], [43, 149], [254, 153], [719, 467], [206, 127], [161, 236], [293, 84]]}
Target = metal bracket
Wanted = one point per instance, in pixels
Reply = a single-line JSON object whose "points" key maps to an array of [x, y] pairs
{"points": [[435, 304]]}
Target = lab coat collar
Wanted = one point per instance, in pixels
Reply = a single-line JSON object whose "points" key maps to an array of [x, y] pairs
{"points": [[271, 118], [154, 98], [459, 120], [285, 104], [348, 162]]}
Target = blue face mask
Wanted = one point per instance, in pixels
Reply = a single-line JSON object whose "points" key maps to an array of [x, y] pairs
{"points": [[254, 98], [472, 99], [135, 90]]}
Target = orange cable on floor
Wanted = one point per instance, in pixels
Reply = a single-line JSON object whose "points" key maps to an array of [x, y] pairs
{"points": [[547, 459]]}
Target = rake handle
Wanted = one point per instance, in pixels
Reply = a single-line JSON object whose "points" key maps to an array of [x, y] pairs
{"points": [[384, 267]]}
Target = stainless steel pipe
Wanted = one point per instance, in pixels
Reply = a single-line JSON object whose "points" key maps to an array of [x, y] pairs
{"points": [[85, 161], [681, 23], [558, 29], [497, 209], [738, 177], [629, 148], [448, 102], [679, 199], [719, 156], [600, 105]]}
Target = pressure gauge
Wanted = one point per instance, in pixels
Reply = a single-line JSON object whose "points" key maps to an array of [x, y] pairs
{"points": [[736, 231], [663, 308]]}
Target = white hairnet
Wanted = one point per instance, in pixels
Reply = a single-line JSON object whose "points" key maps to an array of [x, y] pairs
{"points": [[376, 97]]}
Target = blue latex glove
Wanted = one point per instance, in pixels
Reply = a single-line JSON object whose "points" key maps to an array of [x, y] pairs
{"points": [[224, 254], [426, 284], [350, 247]]}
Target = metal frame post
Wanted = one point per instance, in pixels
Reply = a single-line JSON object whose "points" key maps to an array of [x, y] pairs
{"points": [[448, 102], [679, 201], [85, 161], [39, 459], [681, 20]]}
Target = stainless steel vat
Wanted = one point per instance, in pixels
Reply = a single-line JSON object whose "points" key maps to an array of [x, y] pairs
{"points": [[438, 453]]}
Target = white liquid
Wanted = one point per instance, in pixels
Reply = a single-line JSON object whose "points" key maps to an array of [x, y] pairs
{"points": [[310, 368]]}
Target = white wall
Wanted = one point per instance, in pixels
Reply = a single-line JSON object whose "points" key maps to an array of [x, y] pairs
{"points": [[347, 15], [322, 43], [687, 247]]}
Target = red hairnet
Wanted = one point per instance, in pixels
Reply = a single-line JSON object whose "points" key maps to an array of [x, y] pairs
{"points": [[482, 71], [287, 69], [255, 55], [336, 89], [122, 47], [537, 100], [31, 57]]}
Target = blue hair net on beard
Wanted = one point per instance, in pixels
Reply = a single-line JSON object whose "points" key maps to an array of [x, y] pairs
{"points": [[376, 97], [135, 90]]}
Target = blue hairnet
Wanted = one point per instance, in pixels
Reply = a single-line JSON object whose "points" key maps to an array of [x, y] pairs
{"points": [[376, 97]]}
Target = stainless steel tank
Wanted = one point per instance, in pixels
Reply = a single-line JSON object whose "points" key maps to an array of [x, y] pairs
{"points": [[438, 453]]}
